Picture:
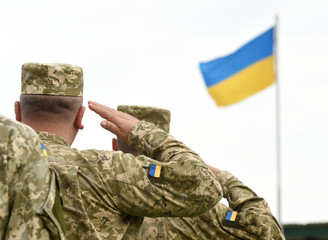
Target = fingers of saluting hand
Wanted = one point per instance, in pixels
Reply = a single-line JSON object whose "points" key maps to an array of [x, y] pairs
{"points": [[100, 109], [112, 128], [110, 114], [117, 122]]}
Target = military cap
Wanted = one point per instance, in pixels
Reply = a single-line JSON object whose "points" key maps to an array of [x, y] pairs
{"points": [[159, 116], [52, 79]]}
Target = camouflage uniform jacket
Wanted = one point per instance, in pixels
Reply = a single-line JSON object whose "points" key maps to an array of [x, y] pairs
{"points": [[254, 219], [27, 186], [106, 194]]}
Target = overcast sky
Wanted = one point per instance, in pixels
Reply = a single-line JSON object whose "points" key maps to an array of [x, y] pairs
{"points": [[148, 53]]}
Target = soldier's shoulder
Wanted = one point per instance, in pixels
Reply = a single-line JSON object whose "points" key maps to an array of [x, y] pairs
{"points": [[16, 130], [96, 154]]}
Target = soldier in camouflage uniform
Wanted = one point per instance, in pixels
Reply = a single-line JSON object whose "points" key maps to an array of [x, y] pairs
{"points": [[106, 194], [29, 208], [247, 217]]}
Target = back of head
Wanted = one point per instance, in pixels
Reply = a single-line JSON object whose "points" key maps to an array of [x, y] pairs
{"points": [[158, 116], [51, 92]]}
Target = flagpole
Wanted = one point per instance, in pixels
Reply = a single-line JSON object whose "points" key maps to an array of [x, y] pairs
{"points": [[277, 121]]}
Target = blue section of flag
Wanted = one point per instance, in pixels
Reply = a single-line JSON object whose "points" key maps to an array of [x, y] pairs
{"points": [[43, 147], [228, 217], [219, 69]]}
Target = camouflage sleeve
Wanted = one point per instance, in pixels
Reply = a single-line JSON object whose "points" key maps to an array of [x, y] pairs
{"points": [[184, 185], [253, 220], [253, 212], [24, 185]]}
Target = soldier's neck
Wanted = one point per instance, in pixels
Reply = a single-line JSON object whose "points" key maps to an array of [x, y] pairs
{"points": [[65, 130]]}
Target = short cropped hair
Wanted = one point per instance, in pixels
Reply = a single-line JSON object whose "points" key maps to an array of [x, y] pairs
{"points": [[45, 105]]}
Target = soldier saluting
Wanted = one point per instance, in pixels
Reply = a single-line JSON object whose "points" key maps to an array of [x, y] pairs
{"points": [[106, 194]]}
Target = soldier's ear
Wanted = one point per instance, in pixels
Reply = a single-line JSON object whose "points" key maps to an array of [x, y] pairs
{"points": [[114, 144], [18, 112], [79, 117]]}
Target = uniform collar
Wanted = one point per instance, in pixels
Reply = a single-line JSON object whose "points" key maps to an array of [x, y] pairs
{"points": [[51, 137]]}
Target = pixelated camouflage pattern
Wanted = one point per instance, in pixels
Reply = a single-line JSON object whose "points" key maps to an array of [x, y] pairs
{"points": [[52, 79], [27, 187], [254, 219], [159, 116], [106, 194], [153, 228]]}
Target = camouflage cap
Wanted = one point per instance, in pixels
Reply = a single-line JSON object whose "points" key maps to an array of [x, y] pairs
{"points": [[52, 79], [159, 116]]}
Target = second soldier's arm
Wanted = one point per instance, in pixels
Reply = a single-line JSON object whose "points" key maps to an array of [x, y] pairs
{"points": [[183, 186], [253, 212]]}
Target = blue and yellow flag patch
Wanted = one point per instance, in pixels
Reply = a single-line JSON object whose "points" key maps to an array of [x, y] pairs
{"points": [[44, 150], [231, 216], [155, 170]]}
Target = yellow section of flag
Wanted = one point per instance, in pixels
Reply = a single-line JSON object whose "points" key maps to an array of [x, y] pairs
{"points": [[245, 83]]}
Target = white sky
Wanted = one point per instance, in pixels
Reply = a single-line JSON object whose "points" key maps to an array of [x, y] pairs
{"points": [[147, 53]]}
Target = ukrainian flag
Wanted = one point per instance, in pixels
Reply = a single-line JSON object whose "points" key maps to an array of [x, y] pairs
{"points": [[44, 150], [155, 170], [231, 216], [246, 71]]}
